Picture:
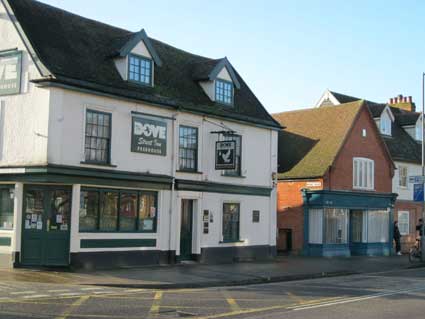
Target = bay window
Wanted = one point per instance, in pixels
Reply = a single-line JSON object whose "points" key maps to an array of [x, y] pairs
{"points": [[378, 226], [336, 225]]}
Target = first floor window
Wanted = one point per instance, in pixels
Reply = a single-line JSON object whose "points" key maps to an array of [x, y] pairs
{"points": [[403, 222], [336, 225], [363, 173], [378, 226], [6, 207], [103, 210], [315, 226], [230, 222], [188, 148], [98, 137], [140, 69], [402, 176]]}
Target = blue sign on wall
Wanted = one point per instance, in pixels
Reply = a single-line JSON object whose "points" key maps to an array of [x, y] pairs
{"points": [[418, 192]]}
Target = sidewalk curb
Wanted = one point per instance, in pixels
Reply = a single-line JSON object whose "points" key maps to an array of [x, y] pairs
{"points": [[246, 282]]}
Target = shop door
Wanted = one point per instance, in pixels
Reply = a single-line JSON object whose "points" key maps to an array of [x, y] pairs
{"points": [[45, 227], [186, 229]]}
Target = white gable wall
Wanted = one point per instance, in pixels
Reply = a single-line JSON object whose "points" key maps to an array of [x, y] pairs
{"points": [[23, 117], [141, 49], [224, 75]]}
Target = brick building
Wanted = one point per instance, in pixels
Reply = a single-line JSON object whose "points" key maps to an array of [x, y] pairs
{"points": [[334, 191], [400, 127]]}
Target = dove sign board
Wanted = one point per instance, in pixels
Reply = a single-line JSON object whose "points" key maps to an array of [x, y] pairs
{"points": [[10, 73], [225, 152], [149, 136]]}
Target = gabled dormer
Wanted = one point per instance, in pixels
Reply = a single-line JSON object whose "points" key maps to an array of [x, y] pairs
{"points": [[386, 121], [218, 80], [136, 60]]}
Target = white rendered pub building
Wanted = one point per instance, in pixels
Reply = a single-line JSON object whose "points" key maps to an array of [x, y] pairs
{"points": [[117, 149]]}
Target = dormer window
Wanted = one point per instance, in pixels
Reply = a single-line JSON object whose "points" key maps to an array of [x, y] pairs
{"points": [[386, 121], [224, 92], [140, 69]]}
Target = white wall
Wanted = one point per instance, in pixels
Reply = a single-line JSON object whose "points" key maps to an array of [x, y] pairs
{"points": [[23, 117], [405, 193]]}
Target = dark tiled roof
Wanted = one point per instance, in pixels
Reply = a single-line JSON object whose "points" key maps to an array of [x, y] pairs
{"points": [[342, 98], [80, 51], [375, 108], [407, 118], [312, 138]]}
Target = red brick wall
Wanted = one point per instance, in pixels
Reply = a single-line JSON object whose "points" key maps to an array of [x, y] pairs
{"points": [[290, 212], [415, 210], [341, 174]]}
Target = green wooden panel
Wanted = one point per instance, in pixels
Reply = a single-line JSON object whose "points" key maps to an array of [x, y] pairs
{"points": [[117, 243], [5, 241]]}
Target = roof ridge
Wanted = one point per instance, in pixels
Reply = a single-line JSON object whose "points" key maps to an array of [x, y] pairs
{"points": [[320, 109]]}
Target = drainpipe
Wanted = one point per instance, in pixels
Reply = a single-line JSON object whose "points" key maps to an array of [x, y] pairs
{"points": [[173, 184]]}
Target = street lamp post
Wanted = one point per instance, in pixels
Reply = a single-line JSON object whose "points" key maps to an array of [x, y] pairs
{"points": [[423, 167]]}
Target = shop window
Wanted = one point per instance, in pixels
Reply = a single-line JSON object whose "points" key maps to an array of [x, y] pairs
{"points": [[403, 222], [6, 208], [188, 148], [363, 173], [231, 222], [315, 226], [378, 226], [402, 176], [335, 225], [238, 158], [97, 137], [103, 210]]}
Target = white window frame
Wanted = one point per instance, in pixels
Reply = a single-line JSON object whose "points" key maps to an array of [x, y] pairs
{"points": [[402, 168], [418, 129], [405, 222], [385, 124], [363, 173]]}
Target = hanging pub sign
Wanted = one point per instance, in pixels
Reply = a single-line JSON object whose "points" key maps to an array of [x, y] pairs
{"points": [[149, 136], [225, 155], [10, 72]]}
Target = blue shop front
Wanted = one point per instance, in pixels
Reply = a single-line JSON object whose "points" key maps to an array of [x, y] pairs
{"points": [[347, 223]]}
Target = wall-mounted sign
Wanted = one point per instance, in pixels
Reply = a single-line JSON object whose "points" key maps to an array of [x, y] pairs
{"points": [[149, 136], [225, 155], [205, 221], [10, 73], [315, 184]]}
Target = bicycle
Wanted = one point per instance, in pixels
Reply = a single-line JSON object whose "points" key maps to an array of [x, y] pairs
{"points": [[415, 253]]}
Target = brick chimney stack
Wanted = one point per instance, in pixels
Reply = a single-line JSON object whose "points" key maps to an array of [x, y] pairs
{"points": [[403, 102]]}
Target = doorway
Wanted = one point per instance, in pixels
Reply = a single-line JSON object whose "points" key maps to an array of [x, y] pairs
{"points": [[46, 226], [186, 229], [284, 241]]}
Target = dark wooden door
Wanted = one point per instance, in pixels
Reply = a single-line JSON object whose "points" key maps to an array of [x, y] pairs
{"points": [[186, 229], [46, 226]]}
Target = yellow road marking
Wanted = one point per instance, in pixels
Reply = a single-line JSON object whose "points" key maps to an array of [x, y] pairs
{"points": [[156, 303], [295, 297], [74, 306], [231, 301]]}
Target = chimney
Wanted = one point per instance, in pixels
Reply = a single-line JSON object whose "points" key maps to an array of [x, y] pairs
{"points": [[403, 102]]}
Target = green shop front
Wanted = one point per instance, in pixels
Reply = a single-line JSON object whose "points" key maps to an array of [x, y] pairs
{"points": [[62, 216], [346, 223]]}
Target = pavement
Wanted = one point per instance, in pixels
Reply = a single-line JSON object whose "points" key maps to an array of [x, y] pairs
{"points": [[200, 276]]}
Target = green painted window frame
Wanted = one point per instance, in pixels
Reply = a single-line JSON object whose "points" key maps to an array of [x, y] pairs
{"points": [[140, 193], [109, 139], [221, 97], [10, 189], [140, 58], [234, 237], [185, 168]]}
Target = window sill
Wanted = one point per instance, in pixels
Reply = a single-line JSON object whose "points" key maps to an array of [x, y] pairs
{"points": [[234, 176], [97, 164], [231, 241], [364, 189], [189, 172]]}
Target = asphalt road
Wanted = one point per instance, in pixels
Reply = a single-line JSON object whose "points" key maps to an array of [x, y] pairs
{"points": [[397, 294]]}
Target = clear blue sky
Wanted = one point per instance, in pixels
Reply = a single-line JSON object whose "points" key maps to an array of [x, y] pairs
{"points": [[289, 52]]}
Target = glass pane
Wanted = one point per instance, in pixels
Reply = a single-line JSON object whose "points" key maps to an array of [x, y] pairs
{"points": [[356, 226], [108, 211], [335, 226], [378, 226], [89, 202], [128, 211], [230, 222], [34, 207], [315, 226], [147, 212], [6, 208], [60, 210]]}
